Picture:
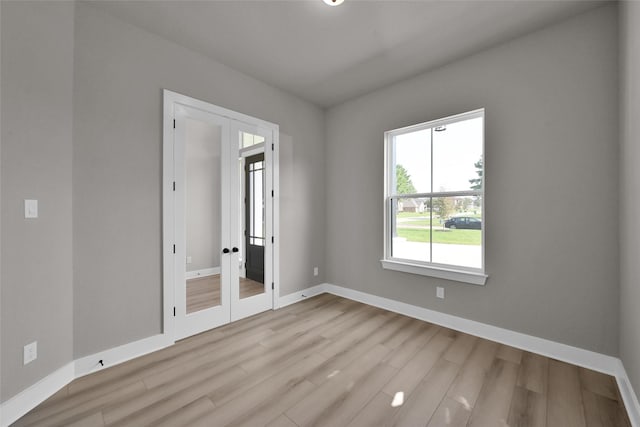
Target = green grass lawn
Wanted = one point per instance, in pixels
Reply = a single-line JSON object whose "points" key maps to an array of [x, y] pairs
{"points": [[456, 237]]}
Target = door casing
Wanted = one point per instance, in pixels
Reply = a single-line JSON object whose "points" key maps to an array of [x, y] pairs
{"points": [[171, 102]]}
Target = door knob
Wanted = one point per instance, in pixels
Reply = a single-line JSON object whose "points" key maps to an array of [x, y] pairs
{"points": [[234, 250], [225, 251]]}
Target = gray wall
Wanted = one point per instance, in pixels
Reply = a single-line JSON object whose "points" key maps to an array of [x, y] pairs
{"points": [[630, 191], [203, 205], [551, 183], [120, 72], [37, 114]]}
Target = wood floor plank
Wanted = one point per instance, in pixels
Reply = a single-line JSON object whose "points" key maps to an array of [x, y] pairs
{"points": [[58, 415], [528, 409], [332, 394], [93, 420], [414, 371], [423, 402], [218, 358], [363, 342], [450, 413], [564, 397], [509, 354], [272, 408], [601, 411], [356, 397], [262, 394], [161, 401], [353, 337], [467, 385], [492, 406], [534, 371], [408, 349], [380, 411], [185, 415], [282, 421], [461, 348], [334, 362], [233, 391], [308, 325], [339, 325], [598, 383]]}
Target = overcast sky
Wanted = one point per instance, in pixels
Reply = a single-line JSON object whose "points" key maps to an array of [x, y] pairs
{"points": [[455, 151]]}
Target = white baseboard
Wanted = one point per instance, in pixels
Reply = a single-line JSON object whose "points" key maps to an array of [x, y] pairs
{"points": [[202, 273], [120, 354], [628, 395], [23, 402], [297, 296], [577, 356]]}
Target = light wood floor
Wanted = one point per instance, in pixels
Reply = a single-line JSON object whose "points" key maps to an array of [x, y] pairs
{"points": [[334, 362], [204, 292]]}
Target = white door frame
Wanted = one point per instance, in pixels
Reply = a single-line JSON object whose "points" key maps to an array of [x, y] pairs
{"points": [[171, 101]]}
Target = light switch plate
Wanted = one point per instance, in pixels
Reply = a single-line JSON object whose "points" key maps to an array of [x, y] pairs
{"points": [[30, 208], [440, 292]]}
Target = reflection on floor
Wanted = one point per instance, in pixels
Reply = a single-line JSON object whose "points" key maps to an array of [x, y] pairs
{"points": [[204, 292]]}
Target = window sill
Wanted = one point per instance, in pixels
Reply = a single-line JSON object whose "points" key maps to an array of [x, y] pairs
{"points": [[442, 273]]}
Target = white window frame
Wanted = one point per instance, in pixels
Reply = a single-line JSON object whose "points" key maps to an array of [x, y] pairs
{"points": [[476, 276]]}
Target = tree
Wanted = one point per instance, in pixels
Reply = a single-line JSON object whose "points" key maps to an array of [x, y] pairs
{"points": [[476, 183], [442, 207], [403, 181]]}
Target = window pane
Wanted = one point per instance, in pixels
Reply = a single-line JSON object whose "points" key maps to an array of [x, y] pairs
{"points": [[411, 229], [249, 139], [457, 156], [457, 231], [412, 154]]}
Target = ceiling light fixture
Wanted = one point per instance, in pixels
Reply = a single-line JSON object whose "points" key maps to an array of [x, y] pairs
{"points": [[333, 2]]}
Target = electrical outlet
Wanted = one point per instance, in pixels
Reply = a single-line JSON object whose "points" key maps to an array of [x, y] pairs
{"points": [[315, 271], [440, 292], [189, 261], [30, 352]]}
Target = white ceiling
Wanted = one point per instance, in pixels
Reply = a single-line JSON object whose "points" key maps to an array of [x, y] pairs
{"points": [[328, 55]]}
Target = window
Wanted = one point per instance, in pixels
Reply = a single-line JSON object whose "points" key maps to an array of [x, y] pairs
{"points": [[434, 194]]}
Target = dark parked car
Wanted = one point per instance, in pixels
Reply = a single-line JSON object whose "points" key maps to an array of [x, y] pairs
{"points": [[463, 222]]}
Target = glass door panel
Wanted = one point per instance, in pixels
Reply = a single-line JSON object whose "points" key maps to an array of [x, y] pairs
{"points": [[203, 212], [252, 283], [202, 293], [253, 292]]}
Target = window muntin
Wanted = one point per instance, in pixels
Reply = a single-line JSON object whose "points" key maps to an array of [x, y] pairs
{"points": [[434, 194]]}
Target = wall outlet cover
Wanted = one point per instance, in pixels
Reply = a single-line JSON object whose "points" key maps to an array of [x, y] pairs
{"points": [[30, 208], [440, 292], [30, 352]]}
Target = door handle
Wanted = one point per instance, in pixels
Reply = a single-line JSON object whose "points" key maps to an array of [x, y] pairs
{"points": [[234, 250], [225, 251]]}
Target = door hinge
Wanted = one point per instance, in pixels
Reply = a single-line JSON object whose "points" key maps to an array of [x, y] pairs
{"points": [[272, 286], [272, 193], [174, 249], [174, 312], [272, 239], [174, 186], [174, 123], [272, 147]]}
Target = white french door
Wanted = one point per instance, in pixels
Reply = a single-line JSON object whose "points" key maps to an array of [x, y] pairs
{"points": [[219, 212]]}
